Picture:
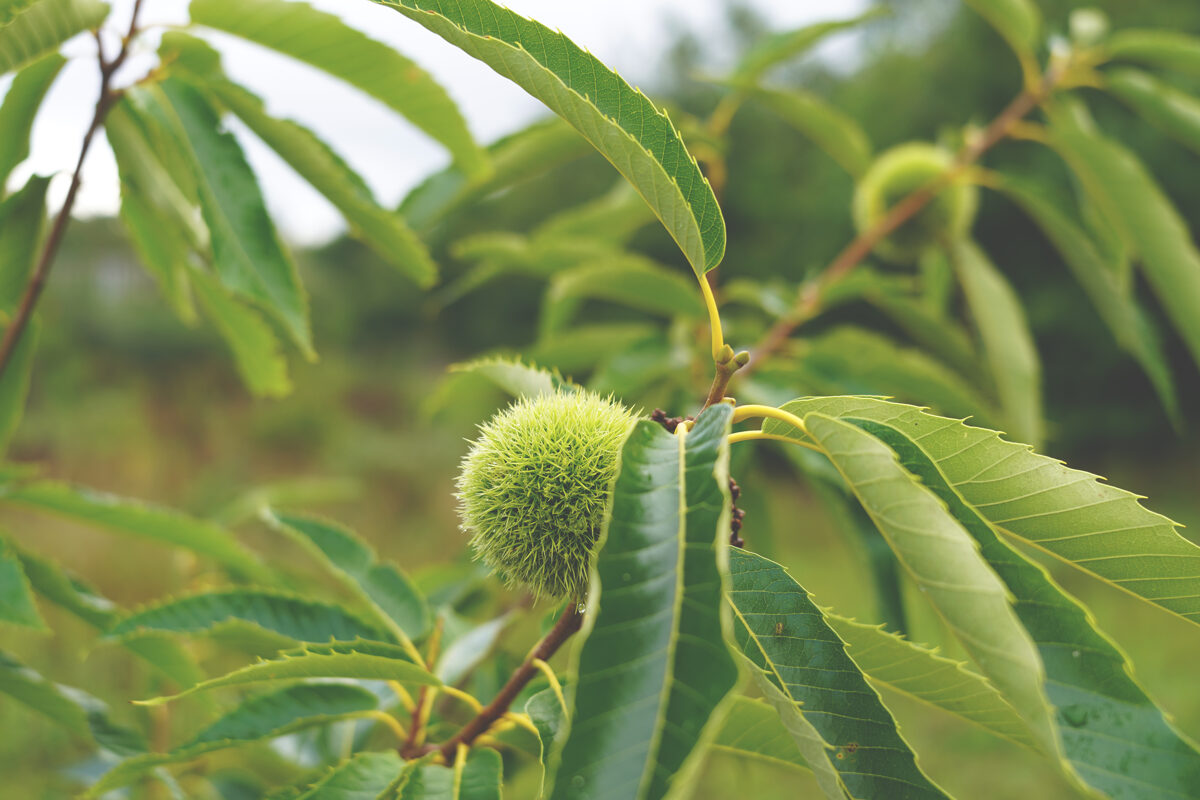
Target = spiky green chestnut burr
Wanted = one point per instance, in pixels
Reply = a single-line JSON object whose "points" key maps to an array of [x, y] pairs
{"points": [[898, 173], [534, 486]]}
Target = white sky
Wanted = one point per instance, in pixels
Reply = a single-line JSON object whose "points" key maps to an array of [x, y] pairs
{"points": [[629, 35]]}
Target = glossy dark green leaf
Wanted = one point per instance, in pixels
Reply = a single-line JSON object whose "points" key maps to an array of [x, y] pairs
{"points": [[265, 716], [1115, 737], [1168, 49], [287, 615], [1116, 307], [21, 104], [324, 41], [479, 777], [43, 26], [124, 516], [654, 665], [1160, 237], [834, 132], [397, 604], [619, 121], [362, 660], [16, 596], [843, 730], [248, 255], [1007, 341]]}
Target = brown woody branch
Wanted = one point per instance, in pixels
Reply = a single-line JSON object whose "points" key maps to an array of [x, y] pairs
{"points": [[37, 281], [567, 625], [853, 254]]}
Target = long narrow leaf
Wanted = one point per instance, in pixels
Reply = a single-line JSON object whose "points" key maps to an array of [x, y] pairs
{"points": [[780, 47], [1066, 512], [1157, 48], [1115, 737], [363, 660], [366, 776], [22, 221], [853, 747], [16, 596], [1174, 112], [20, 106], [837, 134], [619, 121], [477, 778], [1007, 340], [752, 729], [944, 560], [125, 516], [263, 717], [43, 26], [654, 665], [287, 615], [324, 41]]}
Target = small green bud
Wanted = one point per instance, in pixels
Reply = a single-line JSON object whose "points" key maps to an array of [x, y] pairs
{"points": [[534, 487], [898, 173]]}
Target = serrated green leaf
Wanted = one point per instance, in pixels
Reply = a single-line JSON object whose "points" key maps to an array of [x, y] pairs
{"points": [[837, 134], [619, 121], [360, 659], [1175, 113], [43, 26], [891, 660], [1017, 21], [265, 716], [161, 248], [285, 614], [1120, 311], [854, 747], [248, 256], [1007, 341], [1157, 48], [382, 230], [849, 360], [779, 47], [1159, 235], [1113, 735], [325, 42], [16, 596], [22, 221], [397, 604], [478, 778], [366, 776], [1068, 513], [945, 562], [654, 665], [629, 279], [121, 515], [20, 106], [531, 151], [752, 729], [256, 350], [74, 709], [515, 377], [11, 8]]}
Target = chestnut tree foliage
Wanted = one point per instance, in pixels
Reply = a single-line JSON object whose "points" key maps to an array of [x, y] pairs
{"points": [[680, 641]]}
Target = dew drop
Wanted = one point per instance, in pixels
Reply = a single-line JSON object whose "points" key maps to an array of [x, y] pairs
{"points": [[580, 609], [577, 782], [1074, 654], [1075, 716]]}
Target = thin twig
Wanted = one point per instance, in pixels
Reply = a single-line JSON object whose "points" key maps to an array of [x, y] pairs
{"points": [[567, 625], [902, 212], [37, 281]]}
